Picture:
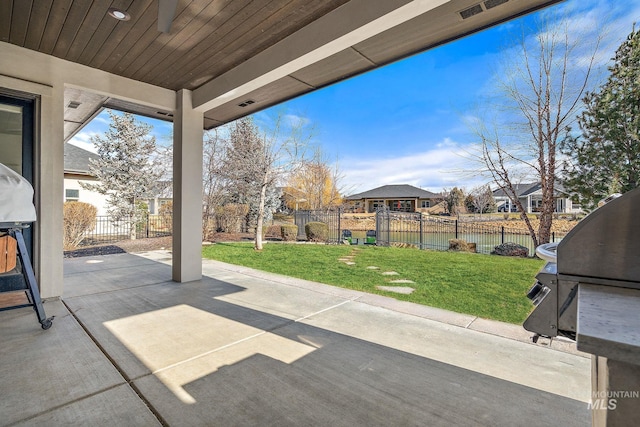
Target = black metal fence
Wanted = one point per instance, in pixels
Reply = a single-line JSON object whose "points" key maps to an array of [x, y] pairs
{"points": [[109, 230], [329, 217], [426, 232], [416, 229]]}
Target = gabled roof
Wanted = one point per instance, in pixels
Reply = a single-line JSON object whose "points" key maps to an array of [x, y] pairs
{"points": [[76, 159], [403, 191], [520, 189], [526, 189]]}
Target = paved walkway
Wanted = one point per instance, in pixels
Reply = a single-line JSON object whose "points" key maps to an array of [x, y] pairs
{"points": [[243, 347]]}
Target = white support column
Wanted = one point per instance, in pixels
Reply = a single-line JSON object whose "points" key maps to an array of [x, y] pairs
{"points": [[187, 190], [49, 153]]}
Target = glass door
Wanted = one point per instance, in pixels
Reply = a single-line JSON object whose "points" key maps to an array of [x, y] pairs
{"points": [[16, 142]]}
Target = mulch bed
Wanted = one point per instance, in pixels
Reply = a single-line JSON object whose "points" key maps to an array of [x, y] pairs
{"points": [[124, 246], [94, 251]]}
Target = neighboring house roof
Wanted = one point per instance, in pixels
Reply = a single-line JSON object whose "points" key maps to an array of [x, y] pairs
{"points": [[403, 191], [520, 189], [523, 190], [76, 159]]}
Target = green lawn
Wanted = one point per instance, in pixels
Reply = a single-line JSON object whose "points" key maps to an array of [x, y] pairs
{"points": [[487, 286]]}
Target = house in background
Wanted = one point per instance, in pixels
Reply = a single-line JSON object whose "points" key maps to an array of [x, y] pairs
{"points": [[162, 196], [530, 195], [402, 198], [76, 171]]}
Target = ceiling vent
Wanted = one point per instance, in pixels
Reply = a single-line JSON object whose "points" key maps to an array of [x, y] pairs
{"points": [[490, 4], [73, 104], [247, 103], [473, 10]]}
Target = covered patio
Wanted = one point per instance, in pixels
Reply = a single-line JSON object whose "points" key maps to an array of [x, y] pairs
{"points": [[201, 65], [242, 347], [161, 340]]}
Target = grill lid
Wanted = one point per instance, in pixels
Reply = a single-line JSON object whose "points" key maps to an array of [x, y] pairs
{"points": [[605, 244], [16, 198]]}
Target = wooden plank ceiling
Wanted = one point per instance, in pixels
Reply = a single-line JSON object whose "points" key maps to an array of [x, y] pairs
{"points": [[207, 37]]}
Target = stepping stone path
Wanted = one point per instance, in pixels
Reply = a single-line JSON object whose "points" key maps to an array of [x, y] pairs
{"points": [[349, 260], [398, 289]]}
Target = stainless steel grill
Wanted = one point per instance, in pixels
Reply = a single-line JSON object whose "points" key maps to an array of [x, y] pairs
{"points": [[602, 250]]}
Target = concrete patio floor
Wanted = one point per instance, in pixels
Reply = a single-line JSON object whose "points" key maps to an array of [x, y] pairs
{"points": [[242, 347]]}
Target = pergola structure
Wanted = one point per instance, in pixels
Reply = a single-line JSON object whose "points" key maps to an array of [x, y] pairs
{"points": [[201, 65]]}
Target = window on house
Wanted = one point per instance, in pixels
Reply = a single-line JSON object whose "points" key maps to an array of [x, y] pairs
{"points": [[425, 204], [401, 205], [71, 195], [376, 204]]}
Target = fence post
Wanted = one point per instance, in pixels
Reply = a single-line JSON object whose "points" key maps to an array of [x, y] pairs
{"points": [[378, 229], [388, 213], [502, 235], [421, 228], [456, 229], [553, 236], [148, 224], [339, 239]]}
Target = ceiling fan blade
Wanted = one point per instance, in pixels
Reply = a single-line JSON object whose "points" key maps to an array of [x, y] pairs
{"points": [[166, 12]]}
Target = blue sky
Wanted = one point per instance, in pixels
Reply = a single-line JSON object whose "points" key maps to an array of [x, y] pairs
{"points": [[406, 123]]}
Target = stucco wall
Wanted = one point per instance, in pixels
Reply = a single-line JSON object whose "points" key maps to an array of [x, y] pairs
{"points": [[87, 196]]}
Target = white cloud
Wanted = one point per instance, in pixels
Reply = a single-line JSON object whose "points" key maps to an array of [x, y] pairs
{"points": [[584, 22], [83, 140], [587, 20], [447, 142], [294, 120], [434, 169], [102, 118]]}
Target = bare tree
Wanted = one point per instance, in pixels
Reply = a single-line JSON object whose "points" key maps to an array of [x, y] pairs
{"points": [[481, 199], [542, 87], [214, 184], [258, 160], [338, 188]]}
